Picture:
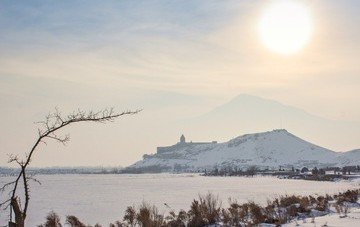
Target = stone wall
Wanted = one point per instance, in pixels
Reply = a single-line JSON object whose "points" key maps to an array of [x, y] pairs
{"points": [[161, 150]]}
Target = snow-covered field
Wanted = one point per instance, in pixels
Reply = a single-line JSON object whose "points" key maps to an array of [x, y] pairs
{"points": [[103, 198], [331, 220]]}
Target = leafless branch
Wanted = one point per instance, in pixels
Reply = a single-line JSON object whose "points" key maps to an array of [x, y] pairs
{"points": [[48, 130], [5, 204], [33, 179], [15, 158], [2, 189]]}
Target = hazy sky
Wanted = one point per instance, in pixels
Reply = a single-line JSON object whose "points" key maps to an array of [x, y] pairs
{"points": [[175, 59]]}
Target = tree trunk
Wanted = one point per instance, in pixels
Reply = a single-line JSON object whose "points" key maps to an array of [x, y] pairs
{"points": [[12, 224], [19, 215]]}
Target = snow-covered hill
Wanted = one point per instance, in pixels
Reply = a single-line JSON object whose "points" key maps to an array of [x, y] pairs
{"points": [[350, 158], [268, 149]]}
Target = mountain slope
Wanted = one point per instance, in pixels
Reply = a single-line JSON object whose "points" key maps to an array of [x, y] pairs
{"points": [[350, 158], [268, 149]]}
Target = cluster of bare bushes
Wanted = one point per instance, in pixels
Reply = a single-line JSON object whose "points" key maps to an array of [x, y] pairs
{"points": [[207, 211]]}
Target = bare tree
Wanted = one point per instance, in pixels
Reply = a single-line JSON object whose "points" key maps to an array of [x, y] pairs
{"points": [[48, 130], [252, 170]]}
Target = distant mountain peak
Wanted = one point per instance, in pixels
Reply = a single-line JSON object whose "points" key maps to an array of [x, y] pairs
{"points": [[250, 103], [251, 98]]}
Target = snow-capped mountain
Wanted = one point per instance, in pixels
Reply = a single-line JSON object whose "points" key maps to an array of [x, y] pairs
{"points": [[268, 149]]}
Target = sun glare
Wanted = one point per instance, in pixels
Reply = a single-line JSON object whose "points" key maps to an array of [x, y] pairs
{"points": [[285, 27]]}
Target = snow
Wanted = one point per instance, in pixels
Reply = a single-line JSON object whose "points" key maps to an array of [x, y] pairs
{"points": [[332, 220], [104, 198], [350, 158], [268, 149]]}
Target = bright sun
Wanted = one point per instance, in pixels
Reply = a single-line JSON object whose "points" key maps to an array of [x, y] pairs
{"points": [[285, 27]]}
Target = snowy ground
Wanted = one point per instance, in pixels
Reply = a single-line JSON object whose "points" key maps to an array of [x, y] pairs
{"points": [[103, 198], [332, 220]]}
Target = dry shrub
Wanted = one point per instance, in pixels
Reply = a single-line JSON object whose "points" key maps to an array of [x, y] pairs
{"points": [[177, 220], [312, 200], [285, 208], [304, 205], [52, 220], [341, 209], [329, 197], [149, 216], [74, 221], [130, 216], [350, 196], [338, 208], [270, 213], [225, 217], [322, 203], [195, 214], [247, 214], [286, 201], [116, 224], [256, 212], [292, 211], [234, 215], [205, 211], [210, 205]]}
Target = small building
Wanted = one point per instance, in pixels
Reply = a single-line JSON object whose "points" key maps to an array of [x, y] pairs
{"points": [[182, 139]]}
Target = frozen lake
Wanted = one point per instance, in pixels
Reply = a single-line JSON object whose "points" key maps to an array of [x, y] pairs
{"points": [[103, 198]]}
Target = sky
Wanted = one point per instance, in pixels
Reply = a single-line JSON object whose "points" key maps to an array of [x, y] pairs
{"points": [[173, 59]]}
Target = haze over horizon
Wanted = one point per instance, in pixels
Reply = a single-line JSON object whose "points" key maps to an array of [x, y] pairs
{"points": [[177, 61]]}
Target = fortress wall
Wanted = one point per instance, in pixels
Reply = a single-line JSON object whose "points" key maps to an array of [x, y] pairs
{"points": [[161, 150], [201, 143]]}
